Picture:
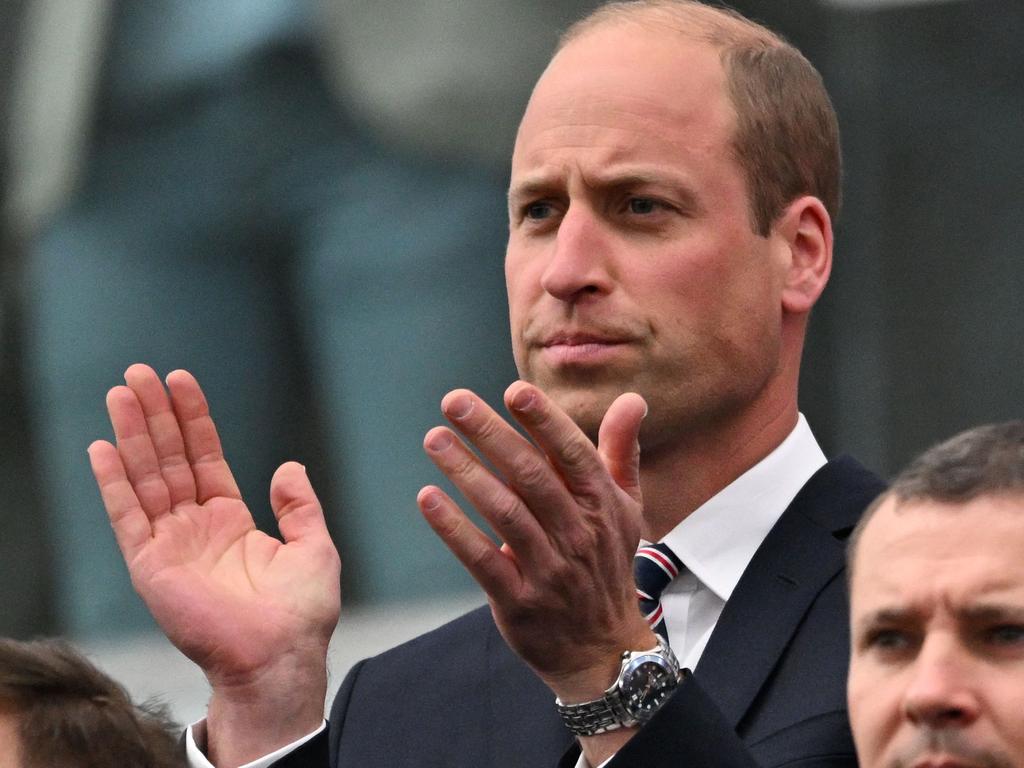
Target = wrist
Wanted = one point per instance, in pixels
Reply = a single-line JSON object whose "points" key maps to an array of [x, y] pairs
{"points": [[646, 680], [248, 718], [592, 681]]}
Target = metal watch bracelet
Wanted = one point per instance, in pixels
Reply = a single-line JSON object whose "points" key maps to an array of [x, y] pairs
{"points": [[590, 718]]}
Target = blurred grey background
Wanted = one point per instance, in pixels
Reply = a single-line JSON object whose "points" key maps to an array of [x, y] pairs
{"points": [[302, 203]]}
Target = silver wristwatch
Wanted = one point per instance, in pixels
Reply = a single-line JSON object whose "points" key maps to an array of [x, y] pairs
{"points": [[646, 681]]}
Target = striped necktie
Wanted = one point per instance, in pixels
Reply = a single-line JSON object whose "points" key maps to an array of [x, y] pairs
{"points": [[654, 566]]}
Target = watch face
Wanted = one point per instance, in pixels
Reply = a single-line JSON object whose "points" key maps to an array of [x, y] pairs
{"points": [[647, 683]]}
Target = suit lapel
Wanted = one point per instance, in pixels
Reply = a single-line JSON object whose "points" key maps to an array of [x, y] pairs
{"points": [[798, 558]]}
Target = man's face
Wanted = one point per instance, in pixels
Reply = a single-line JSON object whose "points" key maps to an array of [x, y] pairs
{"points": [[632, 264], [937, 619]]}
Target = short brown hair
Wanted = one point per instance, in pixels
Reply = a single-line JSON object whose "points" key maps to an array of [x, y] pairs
{"points": [[787, 135], [73, 715], [984, 461]]}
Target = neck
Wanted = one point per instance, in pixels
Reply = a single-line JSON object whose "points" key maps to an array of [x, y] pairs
{"points": [[678, 478]]}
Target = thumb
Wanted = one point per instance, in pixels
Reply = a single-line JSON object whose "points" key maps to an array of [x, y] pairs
{"points": [[296, 507], [618, 441]]}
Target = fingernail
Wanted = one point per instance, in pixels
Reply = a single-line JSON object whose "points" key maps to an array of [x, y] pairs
{"points": [[439, 442], [431, 501], [523, 400], [459, 407]]}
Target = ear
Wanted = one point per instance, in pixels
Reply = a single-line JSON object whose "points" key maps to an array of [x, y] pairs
{"points": [[805, 229]]}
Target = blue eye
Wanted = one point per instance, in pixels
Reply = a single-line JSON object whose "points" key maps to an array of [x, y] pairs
{"points": [[642, 205], [538, 211]]}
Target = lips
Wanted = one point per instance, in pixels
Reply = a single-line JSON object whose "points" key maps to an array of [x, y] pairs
{"points": [[575, 348], [578, 339], [968, 757], [943, 762]]}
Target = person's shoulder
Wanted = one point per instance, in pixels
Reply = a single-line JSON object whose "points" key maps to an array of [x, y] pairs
{"points": [[471, 631], [837, 494], [450, 692], [466, 647]]}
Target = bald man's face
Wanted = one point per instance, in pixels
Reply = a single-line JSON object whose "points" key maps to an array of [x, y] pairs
{"points": [[632, 263], [937, 625]]}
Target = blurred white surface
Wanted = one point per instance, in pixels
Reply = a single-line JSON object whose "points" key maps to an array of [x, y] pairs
{"points": [[150, 667]]}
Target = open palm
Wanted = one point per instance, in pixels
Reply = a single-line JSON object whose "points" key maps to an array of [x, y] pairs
{"points": [[232, 598]]}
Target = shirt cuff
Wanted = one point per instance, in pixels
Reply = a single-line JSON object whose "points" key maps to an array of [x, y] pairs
{"points": [[196, 758]]}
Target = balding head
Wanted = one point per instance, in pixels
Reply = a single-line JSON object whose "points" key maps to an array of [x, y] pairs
{"points": [[787, 135]]}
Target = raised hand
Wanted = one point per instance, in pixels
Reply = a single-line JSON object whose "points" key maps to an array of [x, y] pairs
{"points": [[254, 612], [569, 514]]}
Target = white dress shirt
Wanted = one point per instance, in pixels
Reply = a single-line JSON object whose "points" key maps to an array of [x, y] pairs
{"points": [[716, 542], [196, 758]]}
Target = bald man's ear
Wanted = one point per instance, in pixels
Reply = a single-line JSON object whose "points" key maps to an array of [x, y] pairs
{"points": [[806, 229]]}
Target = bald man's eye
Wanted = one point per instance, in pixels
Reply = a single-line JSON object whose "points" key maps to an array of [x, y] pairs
{"points": [[539, 211], [644, 206]]}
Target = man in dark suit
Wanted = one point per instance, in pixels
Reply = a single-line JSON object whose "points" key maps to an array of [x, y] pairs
{"points": [[673, 185]]}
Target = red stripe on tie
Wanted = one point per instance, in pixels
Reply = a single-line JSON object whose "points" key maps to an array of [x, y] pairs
{"points": [[667, 565], [654, 616]]}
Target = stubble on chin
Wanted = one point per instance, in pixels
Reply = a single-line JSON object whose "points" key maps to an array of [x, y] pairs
{"points": [[583, 399], [949, 743], [585, 408]]}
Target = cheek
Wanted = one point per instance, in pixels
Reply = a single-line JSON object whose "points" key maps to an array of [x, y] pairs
{"points": [[520, 302], [1010, 716], [873, 703], [679, 291], [522, 288], [722, 277], [516, 280]]}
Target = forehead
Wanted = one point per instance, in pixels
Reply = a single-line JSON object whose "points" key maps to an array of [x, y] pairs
{"points": [[925, 553], [625, 90]]}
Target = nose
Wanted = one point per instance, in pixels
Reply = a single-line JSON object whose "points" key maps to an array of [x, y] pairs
{"points": [[580, 266], [941, 693]]}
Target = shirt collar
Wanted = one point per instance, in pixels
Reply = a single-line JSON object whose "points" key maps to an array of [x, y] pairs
{"points": [[719, 538]]}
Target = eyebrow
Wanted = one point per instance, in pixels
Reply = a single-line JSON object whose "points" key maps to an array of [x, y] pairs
{"points": [[986, 612], [887, 616], [530, 188], [975, 613], [544, 184]]}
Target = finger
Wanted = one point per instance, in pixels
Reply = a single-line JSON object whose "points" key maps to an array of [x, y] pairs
{"points": [[495, 501], [202, 445], [164, 432], [493, 569], [131, 525], [521, 463], [569, 450], [618, 442], [300, 517], [138, 456]]}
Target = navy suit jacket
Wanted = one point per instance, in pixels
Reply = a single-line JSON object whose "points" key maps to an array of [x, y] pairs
{"points": [[769, 689]]}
